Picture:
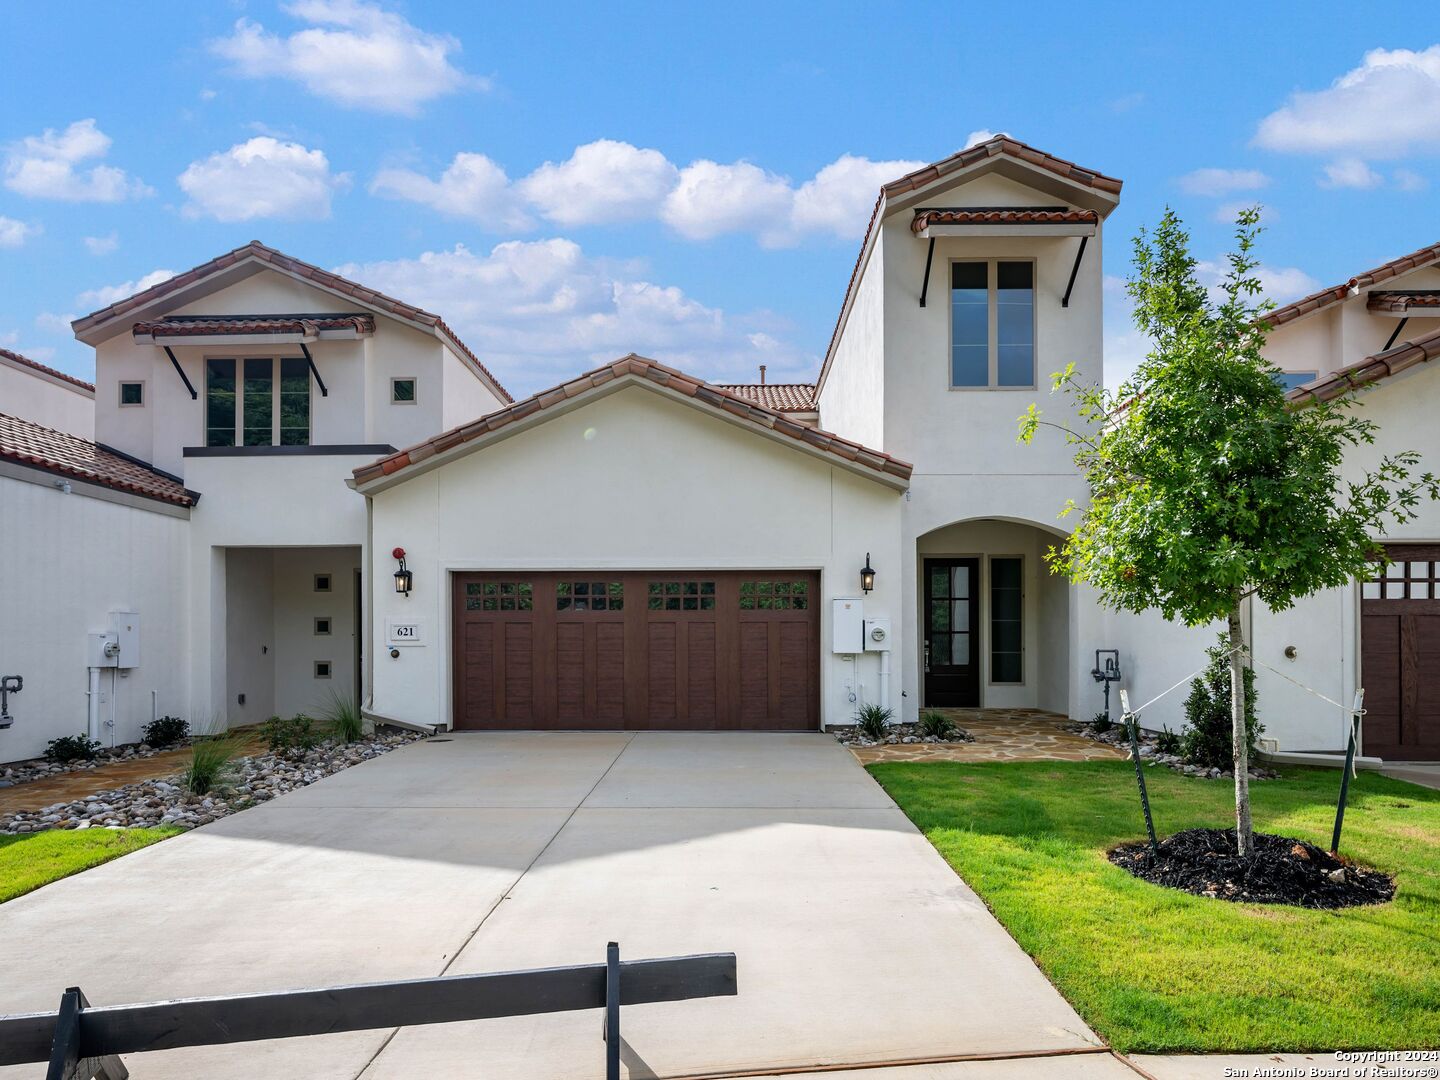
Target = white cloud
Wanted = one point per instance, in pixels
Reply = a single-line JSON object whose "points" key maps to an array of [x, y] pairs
{"points": [[102, 245], [1217, 182], [54, 324], [353, 53], [261, 178], [712, 199], [1278, 283], [1386, 107], [603, 181], [473, 188], [1228, 212], [50, 166], [976, 137], [1410, 180], [538, 312], [105, 295], [1350, 173], [840, 198], [14, 233]]}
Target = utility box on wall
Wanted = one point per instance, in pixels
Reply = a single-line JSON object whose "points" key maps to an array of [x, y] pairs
{"points": [[125, 625], [877, 635], [847, 625]]}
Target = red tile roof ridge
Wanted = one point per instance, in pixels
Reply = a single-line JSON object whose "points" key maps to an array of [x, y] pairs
{"points": [[29, 443], [1371, 369], [52, 372], [1332, 294]]}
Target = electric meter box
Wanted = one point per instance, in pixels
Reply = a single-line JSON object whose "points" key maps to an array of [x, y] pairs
{"points": [[877, 635], [847, 625], [125, 626]]}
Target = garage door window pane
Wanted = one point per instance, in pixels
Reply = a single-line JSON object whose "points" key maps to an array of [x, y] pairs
{"points": [[1394, 590], [1419, 590], [681, 596]]}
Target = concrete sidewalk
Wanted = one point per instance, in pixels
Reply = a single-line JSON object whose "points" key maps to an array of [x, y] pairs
{"points": [[857, 944]]}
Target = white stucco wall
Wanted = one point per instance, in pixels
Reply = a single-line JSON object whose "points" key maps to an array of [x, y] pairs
{"points": [[852, 401], [69, 561], [297, 646], [633, 480], [465, 396], [41, 398]]}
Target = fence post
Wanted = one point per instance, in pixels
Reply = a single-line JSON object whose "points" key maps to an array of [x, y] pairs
{"points": [[1356, 713], [65, 1060], [612, 1011]]}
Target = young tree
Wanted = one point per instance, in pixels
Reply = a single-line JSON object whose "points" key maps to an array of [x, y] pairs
{"points": [[1206, 487]]}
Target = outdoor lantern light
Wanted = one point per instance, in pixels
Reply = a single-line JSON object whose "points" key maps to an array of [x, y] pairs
{"points": [[403, 578], [867, 575]]}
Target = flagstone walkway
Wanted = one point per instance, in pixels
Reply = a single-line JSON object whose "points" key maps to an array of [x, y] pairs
{"points": [[1000, 735]]}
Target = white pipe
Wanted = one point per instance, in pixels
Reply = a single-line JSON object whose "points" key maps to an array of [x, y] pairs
{"points": [[92, 710], [885, 678], [114, 688]]}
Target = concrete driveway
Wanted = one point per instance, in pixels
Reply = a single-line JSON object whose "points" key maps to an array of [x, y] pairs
{"points": [[484, 852]]}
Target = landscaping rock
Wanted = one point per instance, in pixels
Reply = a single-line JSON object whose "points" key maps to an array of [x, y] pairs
{"points": [[1150, 751], [898, 735]]}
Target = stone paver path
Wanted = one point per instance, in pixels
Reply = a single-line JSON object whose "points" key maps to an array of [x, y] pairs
{"points": [[1000, 735]]}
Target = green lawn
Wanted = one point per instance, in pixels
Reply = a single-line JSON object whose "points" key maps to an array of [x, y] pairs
{"points": [[30, 860], [1153, 969]]}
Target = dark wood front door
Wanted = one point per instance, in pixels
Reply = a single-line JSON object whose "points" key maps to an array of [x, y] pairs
{"points": [[952, 632], [606, 650], [1400, 655]]}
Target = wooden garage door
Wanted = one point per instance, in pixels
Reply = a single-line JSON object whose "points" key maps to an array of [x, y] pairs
{"points": [[1400, 655], [641, 651]]}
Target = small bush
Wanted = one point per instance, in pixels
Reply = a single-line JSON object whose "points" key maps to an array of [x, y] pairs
{"points": [[1206, 739], [72, 748], [343, 718], [1167, 742], [210, 763], [935, 725], [293, 737], [874, 721], [1101, 724], [165, 732]]}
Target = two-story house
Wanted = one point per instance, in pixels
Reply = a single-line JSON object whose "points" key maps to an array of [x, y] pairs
{"points": [[637, 548]]}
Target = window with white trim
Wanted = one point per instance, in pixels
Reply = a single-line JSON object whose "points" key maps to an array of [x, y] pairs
{"points": [[403, 391], [992, 324]]}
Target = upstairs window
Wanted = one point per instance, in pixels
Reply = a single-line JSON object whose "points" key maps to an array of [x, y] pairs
{"points": [[257, 402], [132, 393], [1289, 380], [992, 324]]}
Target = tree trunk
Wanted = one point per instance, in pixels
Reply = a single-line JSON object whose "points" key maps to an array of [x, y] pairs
{"points": [[1240, 737]]}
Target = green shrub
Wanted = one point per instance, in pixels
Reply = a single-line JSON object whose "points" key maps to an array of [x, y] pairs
{"points": [[1101, 724], [343, 719], [935, 725], [164, 732], [72, 748], [1206, 739], [874, 721], [293, 737], [210, 763], [1167, 742]]}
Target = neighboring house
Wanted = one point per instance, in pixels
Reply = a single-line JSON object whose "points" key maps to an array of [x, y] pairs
{"points": [[638, 548], [1377, 334], [45, 396]]}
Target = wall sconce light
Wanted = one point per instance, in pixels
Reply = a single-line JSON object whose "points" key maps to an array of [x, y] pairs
{"points": [[867, 575], [403, 578]]}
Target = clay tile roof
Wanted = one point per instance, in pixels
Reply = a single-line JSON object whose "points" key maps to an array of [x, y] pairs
{"points": [[1325, 297], [27, 362], [1001, 145], [208, 325], [1402, 302], [1002, 216], [307, 271], [1372, 369], [29, 443], [718, 397], [782, 397]]}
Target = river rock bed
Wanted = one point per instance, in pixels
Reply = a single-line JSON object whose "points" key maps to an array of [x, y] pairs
{"points": [[1150, 753], [21, 772], [1279, 870], [898, 735], [250, 781]]}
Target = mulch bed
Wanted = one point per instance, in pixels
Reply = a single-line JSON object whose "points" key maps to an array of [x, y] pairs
{"points": [[1282, 870]]}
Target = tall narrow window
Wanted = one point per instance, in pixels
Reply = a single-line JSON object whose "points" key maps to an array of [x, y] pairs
{"points": [[294, 402], [992, 324], [1015, 324], [258, 401], [220, 402], [970, 324], [1007, 602]]}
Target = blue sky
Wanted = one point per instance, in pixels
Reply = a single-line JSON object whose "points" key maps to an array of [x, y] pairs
{"points": [[710, 167]]}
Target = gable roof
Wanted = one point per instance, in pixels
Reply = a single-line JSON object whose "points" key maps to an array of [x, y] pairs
{"points": [[999, 148], [1372, 369], [357, 323], [782, 397], [256, 252], [1317, 301], [874, 463], [25, 361], [29, 443], [1001, 215]]}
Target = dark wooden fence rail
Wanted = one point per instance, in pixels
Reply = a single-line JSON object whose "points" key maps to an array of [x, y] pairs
{"points": [[82, 1042]]}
